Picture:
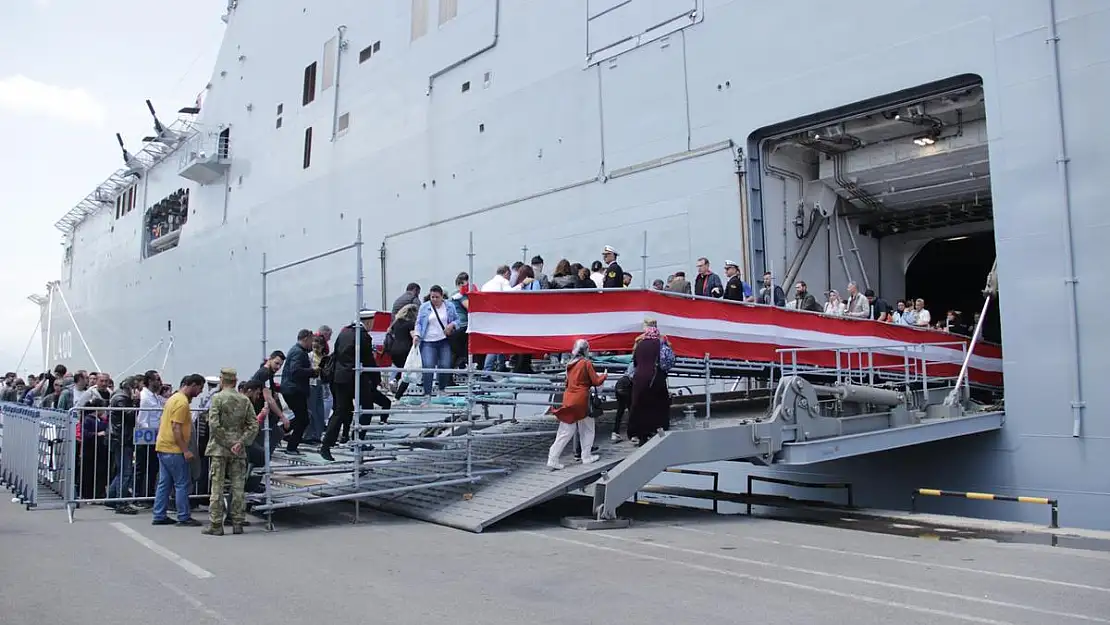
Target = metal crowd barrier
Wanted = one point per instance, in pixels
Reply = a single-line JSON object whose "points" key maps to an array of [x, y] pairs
{"points": [[33, 453], [118, 467]]}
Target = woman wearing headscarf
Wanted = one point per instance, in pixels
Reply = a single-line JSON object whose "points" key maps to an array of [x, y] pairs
{"points": [[651, 401], [574, 414]]}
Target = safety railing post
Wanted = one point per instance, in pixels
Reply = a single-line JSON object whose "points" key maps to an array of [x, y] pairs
{"points": [[358, 366], [264, 274], [708, 391]]}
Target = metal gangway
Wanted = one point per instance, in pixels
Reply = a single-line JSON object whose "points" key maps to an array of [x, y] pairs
{"points": [[477, 452]]}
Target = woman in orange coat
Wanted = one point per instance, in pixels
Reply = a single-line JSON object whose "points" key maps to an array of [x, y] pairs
{"points": [[574, 414]]}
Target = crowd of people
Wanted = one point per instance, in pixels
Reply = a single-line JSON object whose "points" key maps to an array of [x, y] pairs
{"points": [[317, 385]]}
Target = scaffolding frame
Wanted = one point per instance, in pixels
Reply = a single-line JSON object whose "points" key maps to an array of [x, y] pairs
{"points": [[452, 450]]}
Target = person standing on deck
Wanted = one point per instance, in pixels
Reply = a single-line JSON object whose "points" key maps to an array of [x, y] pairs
{"points": [[736, 289], [614, 275], [707, 283], [232, 428], [574, 414]]}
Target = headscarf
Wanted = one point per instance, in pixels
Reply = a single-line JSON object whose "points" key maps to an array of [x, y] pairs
{"points": [[651, 332], [581, 350]]}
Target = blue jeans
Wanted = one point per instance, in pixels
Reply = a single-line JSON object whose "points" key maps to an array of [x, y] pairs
{"points": [[124, 465], [316, 408], [436, 354], [493, 360], [173, 474]]}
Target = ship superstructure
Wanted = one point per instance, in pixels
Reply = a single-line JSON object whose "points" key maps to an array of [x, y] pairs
{"points": [[892, 145]]}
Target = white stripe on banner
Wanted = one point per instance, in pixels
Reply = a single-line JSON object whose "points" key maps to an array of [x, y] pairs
{"points": [[697, 328]]}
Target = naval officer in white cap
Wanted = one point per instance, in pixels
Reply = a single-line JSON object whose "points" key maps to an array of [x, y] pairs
{"points": [[614, 275]]}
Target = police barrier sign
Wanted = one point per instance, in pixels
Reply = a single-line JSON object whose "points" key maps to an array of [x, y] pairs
{"points": [[146, 436]]}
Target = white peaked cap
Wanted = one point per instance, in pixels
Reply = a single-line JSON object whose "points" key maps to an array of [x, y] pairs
{"points": [[609, 250]]}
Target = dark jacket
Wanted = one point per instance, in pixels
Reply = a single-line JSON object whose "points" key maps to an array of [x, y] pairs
{"points": [[765, 295], [402, 339], [297, 371], [122, 422], [736, 289], [808, 302], [345, 357], [564, 282], [708, 286], [405, 299], [614, 277]]}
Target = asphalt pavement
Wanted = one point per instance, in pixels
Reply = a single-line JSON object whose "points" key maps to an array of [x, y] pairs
{"points": [[671, 567]]}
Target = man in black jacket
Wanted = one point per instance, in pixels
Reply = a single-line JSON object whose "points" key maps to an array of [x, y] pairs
{"points": [[124, 404], [343, 381], [295, 387]]}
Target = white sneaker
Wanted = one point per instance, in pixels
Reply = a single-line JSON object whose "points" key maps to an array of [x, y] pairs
{"points": [[555, 466], [616, 438], [591, 459]]}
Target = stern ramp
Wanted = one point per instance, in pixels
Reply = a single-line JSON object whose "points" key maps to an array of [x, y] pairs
{"points": [[808, 423]]}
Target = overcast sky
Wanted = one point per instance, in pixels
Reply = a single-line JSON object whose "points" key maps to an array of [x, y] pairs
{"points": [[73, 73]]}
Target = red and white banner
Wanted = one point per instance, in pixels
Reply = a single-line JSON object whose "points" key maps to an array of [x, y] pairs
{"points": [[550, 322]]}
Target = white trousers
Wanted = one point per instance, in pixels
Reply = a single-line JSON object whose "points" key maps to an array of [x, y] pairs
{"points": [[585, 429]]}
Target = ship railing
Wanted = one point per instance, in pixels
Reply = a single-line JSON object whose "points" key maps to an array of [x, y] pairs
{"points": [[205, 147], [906, 364]]}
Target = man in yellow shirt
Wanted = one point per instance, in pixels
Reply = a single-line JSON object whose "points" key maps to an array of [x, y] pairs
{"points": [[172, 445]]}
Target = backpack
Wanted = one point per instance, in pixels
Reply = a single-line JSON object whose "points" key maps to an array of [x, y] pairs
{"points": [[666, 357]]}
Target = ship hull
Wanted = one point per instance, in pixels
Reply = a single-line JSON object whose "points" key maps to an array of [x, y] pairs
{"points": [[514, 153]]}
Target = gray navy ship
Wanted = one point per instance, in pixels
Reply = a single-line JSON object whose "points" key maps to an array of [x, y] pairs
{"points": [[905, 146]]}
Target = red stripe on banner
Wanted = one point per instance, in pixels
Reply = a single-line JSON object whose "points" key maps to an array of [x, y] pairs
{"points": [[554, 302]]}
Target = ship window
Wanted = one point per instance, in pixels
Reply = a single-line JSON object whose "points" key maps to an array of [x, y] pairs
{"points": [[344, 121], [328, 66], [278, 124], [365, 54], [448, 10], [281, 109], [466, 86], [307, 147], [377, 47], [419, 18], [309, 84]]}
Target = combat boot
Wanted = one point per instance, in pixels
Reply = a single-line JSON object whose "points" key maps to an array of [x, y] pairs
{"points": [[213, 530], [236, 529]]}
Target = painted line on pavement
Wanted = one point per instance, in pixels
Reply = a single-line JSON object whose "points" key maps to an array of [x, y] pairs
{"points": [[198, 605], [872, 556], [777, 582], [860, 580], [189, 567]]}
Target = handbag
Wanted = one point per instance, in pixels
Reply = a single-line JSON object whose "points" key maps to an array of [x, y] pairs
{"points": [[596, 409]]}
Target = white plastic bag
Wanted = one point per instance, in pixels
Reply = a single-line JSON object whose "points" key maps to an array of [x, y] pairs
{"points": [[413, 362]]}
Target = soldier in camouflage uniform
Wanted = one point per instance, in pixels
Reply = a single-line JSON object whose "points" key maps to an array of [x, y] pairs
{"points": [[232, 426]]}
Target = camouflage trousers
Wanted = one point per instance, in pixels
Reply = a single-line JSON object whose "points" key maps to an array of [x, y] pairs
{"points": [[235, 470]]}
